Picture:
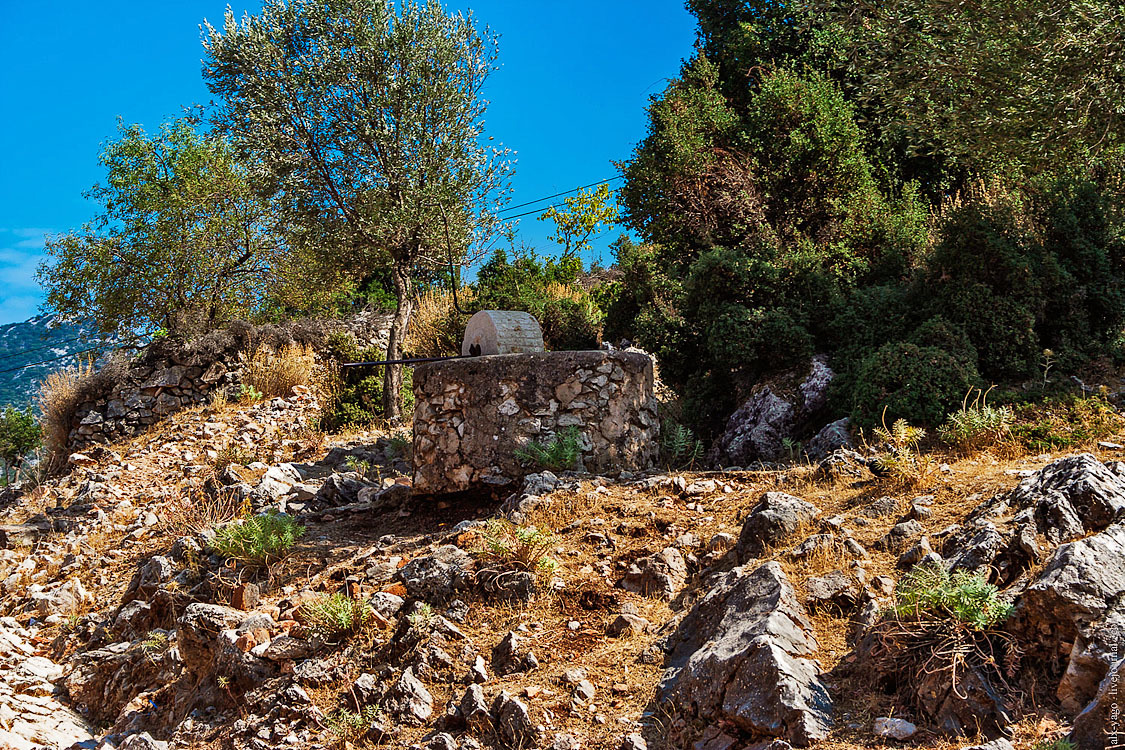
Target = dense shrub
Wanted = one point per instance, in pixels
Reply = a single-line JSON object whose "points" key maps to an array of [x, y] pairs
{"points": [[932, 592], [915, 383], [20, 434], [355, 396], [548, 289]]}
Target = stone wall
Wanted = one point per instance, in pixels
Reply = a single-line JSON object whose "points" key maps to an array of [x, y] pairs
{"points": [[146, 394], [471, 416]]}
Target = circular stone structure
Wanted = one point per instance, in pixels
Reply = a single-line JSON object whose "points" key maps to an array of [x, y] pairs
{"points": [[501, 332], [472, 416]]}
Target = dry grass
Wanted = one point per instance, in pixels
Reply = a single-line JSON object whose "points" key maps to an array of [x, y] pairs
{"points": [[58, 398], [195, 511], [436, 328], [277, 373]]}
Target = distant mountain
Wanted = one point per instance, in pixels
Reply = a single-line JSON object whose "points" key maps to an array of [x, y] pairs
{"points": [[44, 343]]}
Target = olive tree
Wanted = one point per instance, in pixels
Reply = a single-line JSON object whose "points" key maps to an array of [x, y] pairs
{"points": [[370, 116], [181, 242]]}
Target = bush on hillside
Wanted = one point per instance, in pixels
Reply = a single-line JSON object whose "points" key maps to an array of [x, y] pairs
{"points": [[20, 434], [355, 394], [911, 382], [258, 541], [548, 289]]}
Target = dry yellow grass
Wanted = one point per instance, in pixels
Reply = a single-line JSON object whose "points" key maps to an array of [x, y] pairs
{"points": [[436, 328], [57, 399], [277, 373]]}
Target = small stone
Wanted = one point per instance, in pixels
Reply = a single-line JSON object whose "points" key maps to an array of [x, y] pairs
{"points": [[246, 596], [625, 625], [633, 742], [896, 729], [584, 690]]}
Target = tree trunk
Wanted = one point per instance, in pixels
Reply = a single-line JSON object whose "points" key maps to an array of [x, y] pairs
{"points": [[392, 381]]}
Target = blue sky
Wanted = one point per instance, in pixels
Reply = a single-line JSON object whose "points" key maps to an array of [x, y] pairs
{"points": [[569, 98]]}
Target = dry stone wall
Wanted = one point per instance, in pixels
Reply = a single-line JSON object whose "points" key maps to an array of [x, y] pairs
{"points": [[471, 416], [147, 394]]}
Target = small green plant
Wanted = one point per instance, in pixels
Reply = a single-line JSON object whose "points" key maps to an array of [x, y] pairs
{"points": [[903, 462], [979, 424], [793, 448], [557, 454], [681, 447], [400, 446], [261, 540], [155, 643], [336, 616], [248, 394], [1064, 422], [508, 546], [20, 434], [1059, 744], [422, 615], [352, 726], [359, 466], [930, 592]]}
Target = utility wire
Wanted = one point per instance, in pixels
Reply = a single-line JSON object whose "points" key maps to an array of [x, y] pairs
{"points": [[556, 195], [52, 345], [56, 359]]}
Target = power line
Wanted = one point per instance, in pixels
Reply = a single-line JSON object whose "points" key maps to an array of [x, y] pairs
{"points": [[52, 345], [557, 195], [56, 359]]}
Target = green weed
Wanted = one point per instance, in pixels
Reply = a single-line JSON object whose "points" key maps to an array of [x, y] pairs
{"points": [[930, 592], [558, 454], [979, 424], [336, 616], [260, 540]]}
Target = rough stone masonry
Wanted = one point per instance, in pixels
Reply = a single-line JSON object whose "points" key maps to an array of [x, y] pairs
{"points": [[471, 416]]}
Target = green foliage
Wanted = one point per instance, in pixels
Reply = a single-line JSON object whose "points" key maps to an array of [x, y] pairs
{"points": [[680, 446], [560, 453], [248, 394], [352, 726], [548, 289], [258, 541], [930, 592], [1062, 422], [903, 461], [586, 213], [181, 242], [977, 425], [388, 167], [508, 546], [20, 435], [336, 616], [356, 399], [911, 382]]}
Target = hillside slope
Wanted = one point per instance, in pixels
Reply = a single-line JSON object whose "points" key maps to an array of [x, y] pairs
{"points": [[45, 343], [654, 587]]}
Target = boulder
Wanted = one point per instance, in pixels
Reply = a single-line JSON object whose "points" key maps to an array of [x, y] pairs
{"points": [[775, 517], [774, 412], [511, 655], [435, 578], [662, 575], [1075, 601], [410, 700], [513, 722], [743, 657]]}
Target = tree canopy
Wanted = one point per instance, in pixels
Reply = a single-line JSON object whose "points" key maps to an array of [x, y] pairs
{"points": [[182, 241], [370, 118]]}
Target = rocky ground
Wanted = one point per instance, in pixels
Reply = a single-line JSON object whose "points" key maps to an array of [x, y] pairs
{"points": [[674, 609]]}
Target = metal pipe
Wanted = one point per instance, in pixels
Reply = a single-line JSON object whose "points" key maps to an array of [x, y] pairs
{"points": [[420, 361]]}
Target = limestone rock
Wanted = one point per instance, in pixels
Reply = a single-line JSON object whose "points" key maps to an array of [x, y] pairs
{"points": [[743, 656], [511, 655], [662, 575], [775, 517], [1099, 726], [435, 578]]}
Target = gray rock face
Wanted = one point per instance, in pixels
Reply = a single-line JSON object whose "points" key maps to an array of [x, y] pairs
{"points": [[757, 430], [1076, 600], [742, 656], [832, 436], [661, 575], [436, 578], [199, 629], [777, 516], [511, 655], [513, 722], [1101, 726], [410, 700], [1078, 487]]}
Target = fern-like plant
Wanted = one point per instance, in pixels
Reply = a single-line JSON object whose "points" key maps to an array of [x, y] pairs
{"points": [[557, 454], [680, 446], [336, 616], [930, 591], [977, 425], [261, 540], [508, 546], [903, 462]]}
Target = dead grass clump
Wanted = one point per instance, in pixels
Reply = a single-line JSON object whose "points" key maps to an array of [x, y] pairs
{"points": [[277, 372], [436, 328], [196, 510], [58, 399]]}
